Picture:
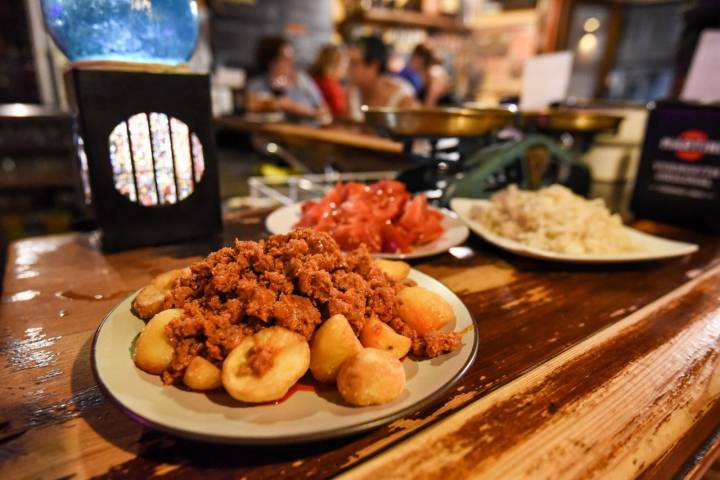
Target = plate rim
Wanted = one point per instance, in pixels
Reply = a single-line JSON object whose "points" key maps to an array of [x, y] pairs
{"points": [[447, 213], [521, 249], [286, 439]]}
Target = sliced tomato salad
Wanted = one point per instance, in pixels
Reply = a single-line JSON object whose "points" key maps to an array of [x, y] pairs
{"points": [[383, 216]]}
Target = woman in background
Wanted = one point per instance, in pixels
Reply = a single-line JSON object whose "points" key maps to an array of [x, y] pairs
{"points": [[327, 71], [371, 83], [280, 87], [435, 86]]}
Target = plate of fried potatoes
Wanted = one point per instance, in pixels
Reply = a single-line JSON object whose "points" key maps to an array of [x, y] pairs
{"points": [[277, 386]]}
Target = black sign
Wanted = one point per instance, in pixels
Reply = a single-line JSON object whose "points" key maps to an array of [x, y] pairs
{"points": [[678, 179]]}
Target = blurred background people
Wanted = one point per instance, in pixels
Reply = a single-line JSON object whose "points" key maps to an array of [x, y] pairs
{"points": [[328, 72], [371, 84], [280, 86], [434, 81], [412, 74]]}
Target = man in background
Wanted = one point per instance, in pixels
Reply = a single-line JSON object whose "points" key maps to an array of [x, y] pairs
{"points": [[371, 84]]}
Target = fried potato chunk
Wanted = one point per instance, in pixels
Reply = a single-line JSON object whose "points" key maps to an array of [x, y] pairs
{"points": [[371, 377], [264, 366], [394, 270], [153, 351], [333, 343], [202, 375], [377, 334], [149, 301], [423, 310]]}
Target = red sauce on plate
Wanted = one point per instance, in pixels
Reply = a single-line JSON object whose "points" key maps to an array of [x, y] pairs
{"points": [[298, 387], [305, 384]]}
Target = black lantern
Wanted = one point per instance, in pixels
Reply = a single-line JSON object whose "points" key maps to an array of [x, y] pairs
{"points": [[150, 157]]}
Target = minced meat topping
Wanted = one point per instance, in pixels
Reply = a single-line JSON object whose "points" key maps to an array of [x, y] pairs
{"points": [[293, 281]]}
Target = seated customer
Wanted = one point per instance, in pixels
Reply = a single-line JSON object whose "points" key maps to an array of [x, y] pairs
{"points": [[371, 83], [280, 87], [327, 71], [412, 76], [435, 81]]}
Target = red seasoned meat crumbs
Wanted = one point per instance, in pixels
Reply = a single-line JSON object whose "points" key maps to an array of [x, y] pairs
{"points": [[294, 281], [260, 359]]}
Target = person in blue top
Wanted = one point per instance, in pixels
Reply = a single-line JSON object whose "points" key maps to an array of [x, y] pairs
{"points": [[413, 77], [429, 78], [280, 86]]}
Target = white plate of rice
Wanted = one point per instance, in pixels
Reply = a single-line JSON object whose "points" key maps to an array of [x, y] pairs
{"points": [[555, 224]]}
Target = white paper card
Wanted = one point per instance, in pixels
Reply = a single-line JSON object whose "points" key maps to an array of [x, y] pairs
{"points": [[545, 80], [703, 81]]}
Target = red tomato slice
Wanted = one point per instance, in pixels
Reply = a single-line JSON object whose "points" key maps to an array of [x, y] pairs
{"points": [[395, 239], [382, 216]]}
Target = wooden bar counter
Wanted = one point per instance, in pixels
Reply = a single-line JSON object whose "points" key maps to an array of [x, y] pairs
{"points": [[335, 135], [582, 372], [347, 147]]}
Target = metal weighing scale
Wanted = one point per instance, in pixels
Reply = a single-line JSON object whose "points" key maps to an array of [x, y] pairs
{"points": [[474, 152]]}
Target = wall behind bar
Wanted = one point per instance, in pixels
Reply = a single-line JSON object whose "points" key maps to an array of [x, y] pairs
{"points": [[645, 61], [237, 25], [17, 70]]}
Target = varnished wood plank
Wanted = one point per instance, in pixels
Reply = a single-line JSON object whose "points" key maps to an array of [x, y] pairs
{"points": [[704, 464], [527, 312], [692, 456], [607, 408], [331, 135]]}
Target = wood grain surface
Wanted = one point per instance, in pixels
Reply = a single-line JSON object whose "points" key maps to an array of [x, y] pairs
{"points": [[332, 135], [345, 148], [582, 371]]}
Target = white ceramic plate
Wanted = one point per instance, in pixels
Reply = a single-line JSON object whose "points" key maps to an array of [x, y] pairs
{"points": [[283, 219], [650, 246], [305, 416]]}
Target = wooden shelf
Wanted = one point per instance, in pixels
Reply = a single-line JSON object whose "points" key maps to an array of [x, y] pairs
{"points": [[506, 19], [25, 182], [408, 19]]}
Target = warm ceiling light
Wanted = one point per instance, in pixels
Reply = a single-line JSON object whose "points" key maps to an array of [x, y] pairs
{"points": [[587, 43], [591, 24]]}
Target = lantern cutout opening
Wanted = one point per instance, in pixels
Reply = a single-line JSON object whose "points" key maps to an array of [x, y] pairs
{"points": [[156, 159]]}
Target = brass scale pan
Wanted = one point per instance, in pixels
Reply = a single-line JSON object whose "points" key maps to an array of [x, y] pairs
{"points": [[463, 122]]}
